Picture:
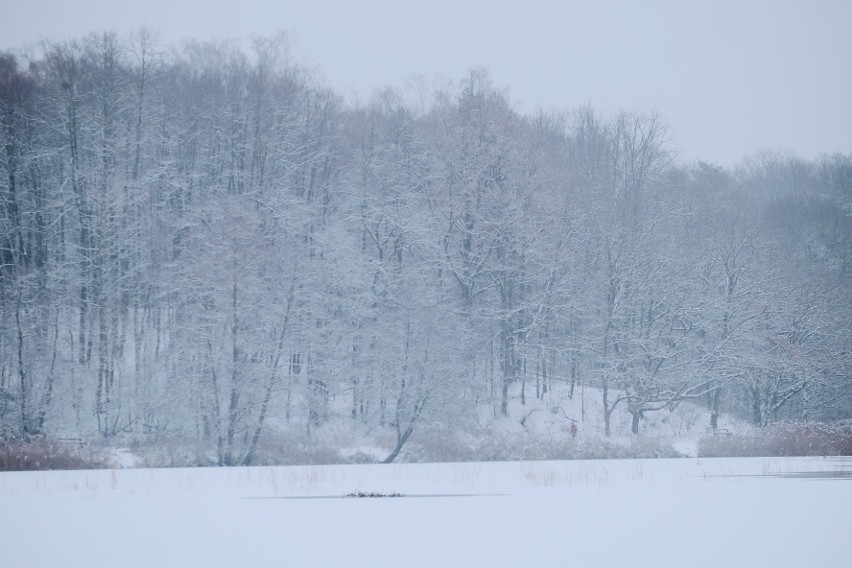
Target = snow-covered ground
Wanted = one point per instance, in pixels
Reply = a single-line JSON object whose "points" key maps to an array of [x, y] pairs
{"points": [[687, 512]]}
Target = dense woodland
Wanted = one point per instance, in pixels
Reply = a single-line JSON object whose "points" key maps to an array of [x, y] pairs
{"points": [[206, 243]]}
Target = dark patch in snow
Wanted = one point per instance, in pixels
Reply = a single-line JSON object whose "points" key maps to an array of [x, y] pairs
{"points": [[360, 494], [795, 475]]}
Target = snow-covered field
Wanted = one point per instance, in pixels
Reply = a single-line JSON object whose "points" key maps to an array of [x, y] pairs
{"points": [[689, 512]]}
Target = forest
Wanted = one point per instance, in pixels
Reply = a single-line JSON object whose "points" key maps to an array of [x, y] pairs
{"points": [[206, 243]]}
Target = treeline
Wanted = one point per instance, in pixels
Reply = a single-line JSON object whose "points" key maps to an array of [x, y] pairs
{"points": [[207, 243]]}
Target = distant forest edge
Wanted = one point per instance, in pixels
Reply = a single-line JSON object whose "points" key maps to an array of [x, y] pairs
{"points": [[207, 244]]}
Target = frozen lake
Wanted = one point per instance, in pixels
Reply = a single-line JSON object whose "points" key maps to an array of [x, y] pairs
{"points": [[689, 512]]}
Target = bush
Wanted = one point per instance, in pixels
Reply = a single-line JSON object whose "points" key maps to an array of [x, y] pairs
{"points": [[48, 455], [497, 445], [174, 452], [292, 449], [295, 450], [782, 439]]}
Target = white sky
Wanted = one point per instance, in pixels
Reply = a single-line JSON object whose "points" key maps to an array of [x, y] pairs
{"points": [[731, 76]]}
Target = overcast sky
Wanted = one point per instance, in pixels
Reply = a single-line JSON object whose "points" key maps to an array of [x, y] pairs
{"points": [[731, 77]]}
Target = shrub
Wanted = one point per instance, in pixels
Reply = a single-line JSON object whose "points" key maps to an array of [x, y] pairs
{"points": [[782, 439], [497, 445], [174, 452], [44, 454], [292, 449]]}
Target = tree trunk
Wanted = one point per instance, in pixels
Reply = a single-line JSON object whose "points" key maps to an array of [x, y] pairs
{"points": [[22, 374], [634, 425], [400, 442], [714, 407], [234, 399], [508, 365], [756, 410]]}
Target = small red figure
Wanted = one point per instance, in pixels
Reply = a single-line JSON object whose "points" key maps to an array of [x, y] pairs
{"points": [[573, 430]]}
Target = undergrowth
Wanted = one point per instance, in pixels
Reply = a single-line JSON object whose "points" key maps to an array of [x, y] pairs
{"points": [[495, 445], [440, 445], [781, 440], [47, 454]]}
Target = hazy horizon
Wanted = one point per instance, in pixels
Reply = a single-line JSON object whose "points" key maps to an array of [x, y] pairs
{"points": [[730, 78]]}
